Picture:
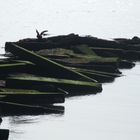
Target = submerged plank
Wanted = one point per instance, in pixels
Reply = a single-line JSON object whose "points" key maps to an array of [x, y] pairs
{"points": [[12, 109]]}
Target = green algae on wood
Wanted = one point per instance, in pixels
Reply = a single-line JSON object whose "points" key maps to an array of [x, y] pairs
{"points": [[51, 67], [14, 67], [75, 56], [88, 59], [34, 82], [97, 72], [12, 91], [101, 78], [31, 96], [103, 68]]}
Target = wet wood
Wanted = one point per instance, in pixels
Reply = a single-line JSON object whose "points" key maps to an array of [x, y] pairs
{"points": [[32, 96], [18, 109], [71, 86], [51, 67], [4, 134]]}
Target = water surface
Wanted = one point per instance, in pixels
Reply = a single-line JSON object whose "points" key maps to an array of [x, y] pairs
{"points": [[110, 115]]}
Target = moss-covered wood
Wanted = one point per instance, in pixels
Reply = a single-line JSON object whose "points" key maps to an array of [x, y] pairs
{"points": [[14, 67], [31, 96], [34, 82], [103, 68], [78, 54], [81, 56], [98, 76], [52, 68], [98, 72]]}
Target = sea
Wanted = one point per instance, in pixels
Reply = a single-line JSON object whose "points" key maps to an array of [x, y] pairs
{"points": [[113, 114]]}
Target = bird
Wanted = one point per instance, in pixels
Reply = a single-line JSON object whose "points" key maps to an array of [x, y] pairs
{"points": [[40, 35]]}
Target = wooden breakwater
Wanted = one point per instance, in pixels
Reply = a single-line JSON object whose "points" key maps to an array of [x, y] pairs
{"points": [[47, 70], [54, 69], [41, 72]]}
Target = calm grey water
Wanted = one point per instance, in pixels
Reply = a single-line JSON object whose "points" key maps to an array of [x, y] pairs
{"points": [[110, 115]]}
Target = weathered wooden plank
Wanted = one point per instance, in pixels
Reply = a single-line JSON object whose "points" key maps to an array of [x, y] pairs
{"points": [[52, 68], [130, 53], [34, 82], [14, 67], [97, 72], [101, 78], [31, 96]]}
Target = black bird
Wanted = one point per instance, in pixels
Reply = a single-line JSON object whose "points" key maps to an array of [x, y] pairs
{"points": [[40, 35]]}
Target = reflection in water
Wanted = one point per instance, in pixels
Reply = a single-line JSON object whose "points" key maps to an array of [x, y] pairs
{"points": [[19, 125], [23, 120], [20, 116], [112, 114]]}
